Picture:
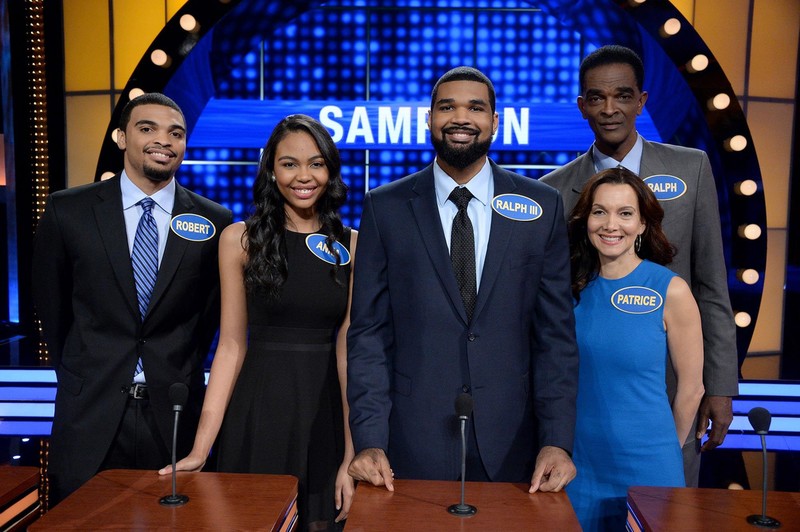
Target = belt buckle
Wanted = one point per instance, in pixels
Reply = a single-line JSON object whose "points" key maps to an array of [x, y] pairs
{"points": [[139, 391]]}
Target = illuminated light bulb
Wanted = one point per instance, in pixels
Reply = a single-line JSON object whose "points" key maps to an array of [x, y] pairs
{"points": [[135, 93], [697, 64], [106, 175], [636, 3], [748, 276], [719, 102], [160, 58], [742, 319], [749, 231], [189, 23], [748, 187], [671, 27], [735, 143]]}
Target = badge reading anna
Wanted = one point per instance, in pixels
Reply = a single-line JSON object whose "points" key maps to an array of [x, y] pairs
{"points": [[316, 245]]}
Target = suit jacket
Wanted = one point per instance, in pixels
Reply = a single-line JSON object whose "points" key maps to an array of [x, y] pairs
{"points": [[411, 351], [692, 225], [86, 299]]}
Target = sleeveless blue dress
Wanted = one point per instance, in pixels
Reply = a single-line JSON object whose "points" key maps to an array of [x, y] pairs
{"points": [[625, 433]]}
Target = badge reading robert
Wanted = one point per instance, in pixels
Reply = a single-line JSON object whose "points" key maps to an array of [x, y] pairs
{"points": [[666, 187], [636, 300], [516, 207], [192, 227], [316, 244]]}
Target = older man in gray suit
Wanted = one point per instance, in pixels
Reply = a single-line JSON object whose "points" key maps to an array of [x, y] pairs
{"points": [[611, 80]]}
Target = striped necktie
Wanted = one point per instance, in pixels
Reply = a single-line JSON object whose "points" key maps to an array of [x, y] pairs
{"points": [[145, 259]]}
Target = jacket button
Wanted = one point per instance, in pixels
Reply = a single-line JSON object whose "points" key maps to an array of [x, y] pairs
{"points": [[141, 341], [471, 337], [465, 389]]}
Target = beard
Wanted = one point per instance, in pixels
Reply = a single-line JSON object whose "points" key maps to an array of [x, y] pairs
{"points": [[460, 155], [158, 174]]}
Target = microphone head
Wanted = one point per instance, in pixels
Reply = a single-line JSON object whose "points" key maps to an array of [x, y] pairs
{"points": [[760, 419], [178, 394], [464, 405]]}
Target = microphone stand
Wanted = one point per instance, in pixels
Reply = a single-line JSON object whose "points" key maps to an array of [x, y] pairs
{"points": [[174, 499], [763, 520], [462, 509]]}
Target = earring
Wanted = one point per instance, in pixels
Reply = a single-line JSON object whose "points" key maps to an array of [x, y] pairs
{"points": [[272, 177], [637, 245]]}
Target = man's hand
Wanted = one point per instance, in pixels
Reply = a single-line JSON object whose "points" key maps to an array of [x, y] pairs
{"points": [[554, 470], [371, 465], [719, 410]]}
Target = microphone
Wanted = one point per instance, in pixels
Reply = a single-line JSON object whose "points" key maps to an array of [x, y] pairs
{"points": [[178, 394], [760, 419], [463, 410]]}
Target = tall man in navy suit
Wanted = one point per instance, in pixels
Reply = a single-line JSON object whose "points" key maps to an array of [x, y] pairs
{"points": [[611, 98], [416, 342], [117, 347]]}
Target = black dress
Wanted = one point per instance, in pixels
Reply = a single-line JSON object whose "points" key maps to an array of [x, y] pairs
{"points": [[285, 414]]}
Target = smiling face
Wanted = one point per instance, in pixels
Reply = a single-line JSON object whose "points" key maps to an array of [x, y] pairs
{"points": [[610, 103], [154, 142], [462, 124], [614, 223], [301, 175]]}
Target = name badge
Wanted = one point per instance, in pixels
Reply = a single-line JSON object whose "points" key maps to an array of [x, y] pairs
{"points": [[192, 227], [316, 244], [516, 207], [666, 187], [636, 300]]}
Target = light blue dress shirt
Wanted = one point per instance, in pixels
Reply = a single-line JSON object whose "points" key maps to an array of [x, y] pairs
{"points": [[479, 209], [162, 211], [632, 161]]}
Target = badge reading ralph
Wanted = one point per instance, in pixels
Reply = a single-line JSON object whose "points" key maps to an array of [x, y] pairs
{"points": [[516, 207], [192, 227], [316, 245], [636, 300], [666, 187]]}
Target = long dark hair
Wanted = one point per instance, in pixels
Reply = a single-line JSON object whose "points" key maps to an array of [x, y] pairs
{"points": [[584, 259], [265, 234]]}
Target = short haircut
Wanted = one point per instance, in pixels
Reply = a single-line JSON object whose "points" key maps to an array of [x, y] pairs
{"points": [[148, 98], [612, 54], [465, 73]]}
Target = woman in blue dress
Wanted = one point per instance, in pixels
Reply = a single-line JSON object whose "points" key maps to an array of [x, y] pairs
{"points": [[633, 316]]}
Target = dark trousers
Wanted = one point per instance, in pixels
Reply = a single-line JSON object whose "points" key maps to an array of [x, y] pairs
{"points": [[138, 443]]}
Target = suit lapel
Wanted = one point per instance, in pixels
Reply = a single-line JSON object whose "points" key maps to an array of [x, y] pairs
{"points": [[651, 164], [426, 214], [499, 238], [174, 251], [111, 224]]}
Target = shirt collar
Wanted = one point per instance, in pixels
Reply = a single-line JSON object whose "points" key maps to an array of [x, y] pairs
{"points": [[478, 185], [632, 161], [131, 194]]}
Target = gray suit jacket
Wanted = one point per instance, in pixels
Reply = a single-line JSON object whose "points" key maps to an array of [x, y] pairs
{"points": [[692, 225]]}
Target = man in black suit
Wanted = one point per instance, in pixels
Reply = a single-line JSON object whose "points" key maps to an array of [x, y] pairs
{"points": [[126, 285]]}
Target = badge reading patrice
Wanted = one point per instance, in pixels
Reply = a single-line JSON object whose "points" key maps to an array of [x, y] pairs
{"points": [[192, 227], [516, 207], [637, 300], [666, 187], [316, 245]]}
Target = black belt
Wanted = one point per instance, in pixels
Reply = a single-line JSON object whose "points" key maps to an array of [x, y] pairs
{"points": [[138, 391]]}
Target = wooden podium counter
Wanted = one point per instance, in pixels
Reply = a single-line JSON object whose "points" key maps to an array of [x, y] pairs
{"points": [[686, 509], [125, 499], [19, 496], [422, 505]]}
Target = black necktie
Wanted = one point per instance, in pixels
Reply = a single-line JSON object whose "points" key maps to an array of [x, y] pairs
{"points": [[462, 250]]}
